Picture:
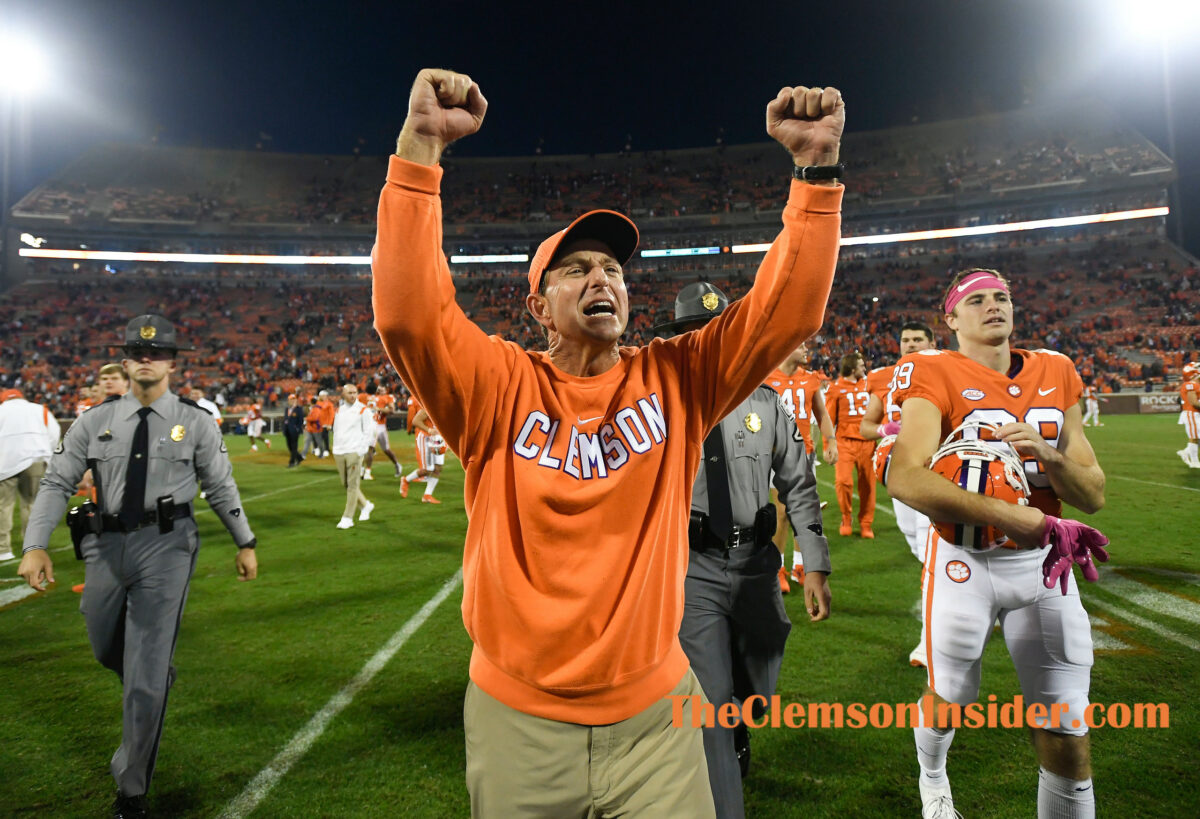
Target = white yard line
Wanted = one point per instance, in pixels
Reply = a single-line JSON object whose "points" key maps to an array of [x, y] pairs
{"points": [[272, 492], [266, 779], [1130, 617], [1160, 602], [878, 506], [1155, 483], [10, 596]]}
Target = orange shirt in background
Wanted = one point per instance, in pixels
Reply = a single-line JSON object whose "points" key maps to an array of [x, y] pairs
{"points": [[846, 402], [797, 391]]}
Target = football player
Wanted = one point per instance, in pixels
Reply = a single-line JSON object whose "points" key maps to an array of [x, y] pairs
{"points": [[254, 427], [431, 456], [800, 390], [847, 402], [1091, 400], [1032, 398], [384, 404], [883, 418], [1189, 400]]}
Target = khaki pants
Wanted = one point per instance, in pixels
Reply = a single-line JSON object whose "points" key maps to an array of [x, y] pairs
{"points": [[25, 485], [522, 766], [349, 469]]}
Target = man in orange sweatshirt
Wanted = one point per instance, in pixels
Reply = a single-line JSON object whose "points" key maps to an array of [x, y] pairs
{"points": [[579, 465]]}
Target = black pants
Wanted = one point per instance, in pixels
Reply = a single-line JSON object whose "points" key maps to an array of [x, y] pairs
{"points": [[325, 439], [293, 441], [733, 632]]}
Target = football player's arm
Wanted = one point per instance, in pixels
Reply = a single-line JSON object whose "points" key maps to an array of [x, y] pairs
{"points": [[911, 482], [1072, 468], [1193, 401], [828, 440], [797, 485], [421, 422], [869, 428]]}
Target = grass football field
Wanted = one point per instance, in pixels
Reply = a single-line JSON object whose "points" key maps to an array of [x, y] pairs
{"points": [[333, 685]]}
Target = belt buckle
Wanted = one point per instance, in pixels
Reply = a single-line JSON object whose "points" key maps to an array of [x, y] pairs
{"points": [[735, 537]]}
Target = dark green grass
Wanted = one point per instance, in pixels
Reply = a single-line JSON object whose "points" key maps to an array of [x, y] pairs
{"points": [[257, 660]]}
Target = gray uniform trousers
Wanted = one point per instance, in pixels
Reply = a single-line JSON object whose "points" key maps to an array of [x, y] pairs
{"points": [[136, 586], [734, 629]]}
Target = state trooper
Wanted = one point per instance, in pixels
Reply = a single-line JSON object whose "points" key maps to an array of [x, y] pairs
{"points": [[139, 540], [734, 623]]}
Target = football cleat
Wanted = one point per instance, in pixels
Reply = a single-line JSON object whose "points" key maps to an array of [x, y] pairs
{"points": [[867, 533], [937, 803], [883, 458], [784, 586], [986, 467], [429, 499], [403, 487], [845, 530]]}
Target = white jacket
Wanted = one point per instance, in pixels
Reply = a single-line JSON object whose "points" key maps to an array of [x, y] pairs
{"points": [[353, 428], [28, 433]]}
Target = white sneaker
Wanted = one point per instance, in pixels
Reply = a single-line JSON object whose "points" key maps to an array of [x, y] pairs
{"points": [[937, 803], [916, 657], [365, 514], [345, 523], [367, 476], [254, 447], [7, 555]]}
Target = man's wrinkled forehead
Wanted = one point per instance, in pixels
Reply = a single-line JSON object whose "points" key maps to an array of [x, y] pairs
{"points": [[572, 251]]}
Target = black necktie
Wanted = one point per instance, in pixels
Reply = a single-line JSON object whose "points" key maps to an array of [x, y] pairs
{"points": [[135, 475], [716, 475]]}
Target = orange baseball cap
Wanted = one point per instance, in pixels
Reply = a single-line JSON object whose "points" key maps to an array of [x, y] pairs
{"points": [[614, 229]]}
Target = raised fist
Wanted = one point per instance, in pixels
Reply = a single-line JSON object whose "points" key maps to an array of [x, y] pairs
{"points": [[443, 106], [808, 122]]}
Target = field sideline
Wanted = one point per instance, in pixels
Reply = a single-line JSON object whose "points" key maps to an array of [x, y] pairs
{"points": [[333, 685]]}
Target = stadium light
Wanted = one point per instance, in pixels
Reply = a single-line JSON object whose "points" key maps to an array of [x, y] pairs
{"points": [[846, 241], [1157, 21], [23, 67], [980, 230]]}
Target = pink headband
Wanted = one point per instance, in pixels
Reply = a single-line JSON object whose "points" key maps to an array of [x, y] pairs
{"points": [[973, 281]]}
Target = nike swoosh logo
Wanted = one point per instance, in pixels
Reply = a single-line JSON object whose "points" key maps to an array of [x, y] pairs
{"points": [[582, 421], [969, 282], [1047, 392]]}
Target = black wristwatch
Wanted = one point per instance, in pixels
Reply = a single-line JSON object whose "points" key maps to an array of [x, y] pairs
{"points": [[253, 542], [818, 173]]}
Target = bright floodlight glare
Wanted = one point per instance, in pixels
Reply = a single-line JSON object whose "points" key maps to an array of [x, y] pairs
{"points": [[23, 69], [1155, 21]]}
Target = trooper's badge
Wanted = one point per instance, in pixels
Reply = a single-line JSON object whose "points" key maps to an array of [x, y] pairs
{"points": [[710, 301], [753, 422], [177, 433], [58, 450], [223, 447], [105, 436], [148, 331]]}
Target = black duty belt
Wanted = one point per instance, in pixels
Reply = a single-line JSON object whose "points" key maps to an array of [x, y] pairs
{"points": [[702, 538], [112, 523]]}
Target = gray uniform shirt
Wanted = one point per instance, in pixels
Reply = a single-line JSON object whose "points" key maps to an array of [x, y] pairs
{"points": [[185, 445], [752, 455]]}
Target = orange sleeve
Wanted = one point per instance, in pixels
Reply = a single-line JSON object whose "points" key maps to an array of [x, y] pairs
{"points": [[455, 371], [733, 353]]}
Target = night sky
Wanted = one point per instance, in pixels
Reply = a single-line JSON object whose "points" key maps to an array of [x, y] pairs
{"points": [[330, 77]]}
